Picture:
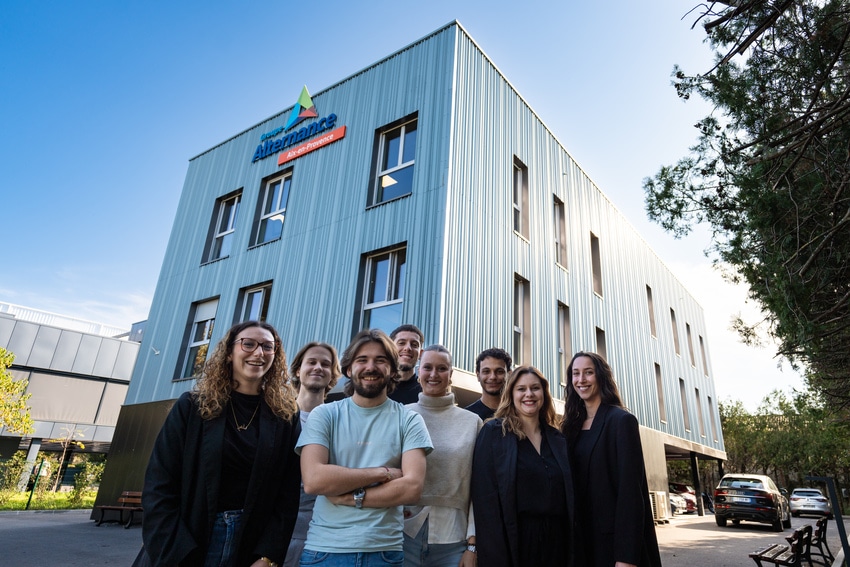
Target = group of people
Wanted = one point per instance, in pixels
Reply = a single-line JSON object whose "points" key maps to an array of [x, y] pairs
{"points": [[254, 468]]}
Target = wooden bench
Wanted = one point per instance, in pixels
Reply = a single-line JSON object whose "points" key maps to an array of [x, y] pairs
{"points": [[796, 552], [819, 545], [129, 501]]}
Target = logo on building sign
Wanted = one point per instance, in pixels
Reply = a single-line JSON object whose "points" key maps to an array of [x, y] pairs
{"points": [[303, 110]]}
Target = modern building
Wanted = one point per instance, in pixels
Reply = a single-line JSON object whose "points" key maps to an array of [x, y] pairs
{"points": [[423, 189], [78, 373]]}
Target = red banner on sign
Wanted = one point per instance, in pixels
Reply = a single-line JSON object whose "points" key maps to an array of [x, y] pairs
{"points": [[308, 147]]}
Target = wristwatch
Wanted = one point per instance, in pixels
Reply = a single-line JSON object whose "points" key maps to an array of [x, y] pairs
{"points": [[470, 547], [359, 495]]}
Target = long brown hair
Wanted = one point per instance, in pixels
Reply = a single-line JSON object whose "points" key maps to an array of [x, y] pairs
{"points": [[575, 411], [213, 388], [295, 365], [362, 338], [506, 410]]}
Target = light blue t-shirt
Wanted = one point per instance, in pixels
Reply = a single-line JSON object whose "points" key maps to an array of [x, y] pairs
{"points": [[360, 438]]}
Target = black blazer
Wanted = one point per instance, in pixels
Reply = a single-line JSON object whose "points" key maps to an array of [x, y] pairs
{"points": [[182, 487], [620, 526], [493, 493]]}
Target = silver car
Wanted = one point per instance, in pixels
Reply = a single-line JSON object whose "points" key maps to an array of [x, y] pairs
{"points": [[809, 501]]}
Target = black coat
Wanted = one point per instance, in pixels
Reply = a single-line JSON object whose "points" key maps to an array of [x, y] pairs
{"points": [[620, 526], [182, 487], [493, 493]]}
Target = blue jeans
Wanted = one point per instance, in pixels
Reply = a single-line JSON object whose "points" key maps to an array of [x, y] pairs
{"points": [[372, 559], [419, 553], [223, 542]]}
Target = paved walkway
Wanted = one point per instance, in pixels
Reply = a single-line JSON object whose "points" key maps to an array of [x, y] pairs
{"points": [[71, 539]]}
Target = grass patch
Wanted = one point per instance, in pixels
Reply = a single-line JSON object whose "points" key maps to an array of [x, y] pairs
{"points": [[11, 500]]}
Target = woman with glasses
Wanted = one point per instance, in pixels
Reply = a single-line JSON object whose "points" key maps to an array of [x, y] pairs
{"points": [[222, 483]]}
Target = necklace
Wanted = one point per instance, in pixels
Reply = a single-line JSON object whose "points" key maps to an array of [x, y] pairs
{"points": [[250, 421]]}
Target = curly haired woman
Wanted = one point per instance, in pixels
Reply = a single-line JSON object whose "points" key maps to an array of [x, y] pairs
{"points": [[223, 480]]}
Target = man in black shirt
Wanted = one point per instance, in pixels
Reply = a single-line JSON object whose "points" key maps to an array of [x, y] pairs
{"points": [[408, 339], [491, 368]]}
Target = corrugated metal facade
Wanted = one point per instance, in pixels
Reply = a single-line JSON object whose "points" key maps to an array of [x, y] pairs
{"points": [[463, 254]]}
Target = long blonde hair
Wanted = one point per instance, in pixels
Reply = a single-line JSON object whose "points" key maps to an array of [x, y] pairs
{"points": [[213, 388], [511, 422]]}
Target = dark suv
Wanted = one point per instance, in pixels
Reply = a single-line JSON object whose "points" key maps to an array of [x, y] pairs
{"points": [[752, 497]]}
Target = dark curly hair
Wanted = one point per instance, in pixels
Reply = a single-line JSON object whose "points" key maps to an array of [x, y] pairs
{"points": [[212, 390]]}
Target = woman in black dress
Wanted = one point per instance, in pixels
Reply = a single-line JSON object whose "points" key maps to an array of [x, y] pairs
{"points": [[222, 483], [522, 491], [615, 526]]}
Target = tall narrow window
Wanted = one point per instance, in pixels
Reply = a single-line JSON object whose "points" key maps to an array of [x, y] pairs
{"points": [[272, 209], [223, 227], [254, 303], [394, 170], [383, 293], [601, 345], [704, 357], [651, 308], [683, 394], [520, 196], [659, 387], [560, 233], [700, 417], [522, 320], [711, 419], [690, 344], [200, 331], [596, 264], [675, 331], [565, 349]]}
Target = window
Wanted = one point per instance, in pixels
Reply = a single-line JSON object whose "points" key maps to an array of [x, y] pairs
{"points": [[254, 303], [711, 418], [383, 293], [200, 331], [659, 387], [565, 351], [690, 344], [522, 320], [675, 330], [700, 416], [223, 227], [596, 264], [560, 233], [682, 394], [520, 196], [272, 208], [704, 357], [651, 307], [601, 346], [396, 150]]}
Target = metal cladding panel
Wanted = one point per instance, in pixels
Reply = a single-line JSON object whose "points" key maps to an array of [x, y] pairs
{"points": [[493, 125], [44, 347], [314, 267]]}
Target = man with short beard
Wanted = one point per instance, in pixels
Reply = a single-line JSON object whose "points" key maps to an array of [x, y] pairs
{"points": [[408, 340], [492, 367], [364, 456]]}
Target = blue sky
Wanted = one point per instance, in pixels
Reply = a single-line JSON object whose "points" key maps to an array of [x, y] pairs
{"points": [[102, 104]]}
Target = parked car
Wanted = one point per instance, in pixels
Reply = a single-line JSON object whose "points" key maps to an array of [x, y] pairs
{"points": [[686, 492], [678, 505], [809, 501], [751, 497]]}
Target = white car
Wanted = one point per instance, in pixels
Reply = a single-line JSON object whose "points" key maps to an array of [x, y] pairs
{"points": [[809, 501], [677, 503]]}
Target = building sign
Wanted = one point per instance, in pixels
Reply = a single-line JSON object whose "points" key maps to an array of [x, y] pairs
{"points": [[302, 110], [308, 147]]}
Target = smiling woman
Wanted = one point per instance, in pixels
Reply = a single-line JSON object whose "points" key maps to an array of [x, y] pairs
{"points": [[210, 472], [522, 488]]}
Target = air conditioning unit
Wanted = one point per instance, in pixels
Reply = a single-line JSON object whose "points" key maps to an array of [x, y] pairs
{"points": [[660, 507]]}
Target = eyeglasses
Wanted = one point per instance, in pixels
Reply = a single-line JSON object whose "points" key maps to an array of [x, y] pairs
{"points": [[250, 345]]}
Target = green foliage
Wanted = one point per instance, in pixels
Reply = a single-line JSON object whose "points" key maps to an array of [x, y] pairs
{"points": [[770, 173], [14, 411], [13, 500], [85, 482], [788, 439]]}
